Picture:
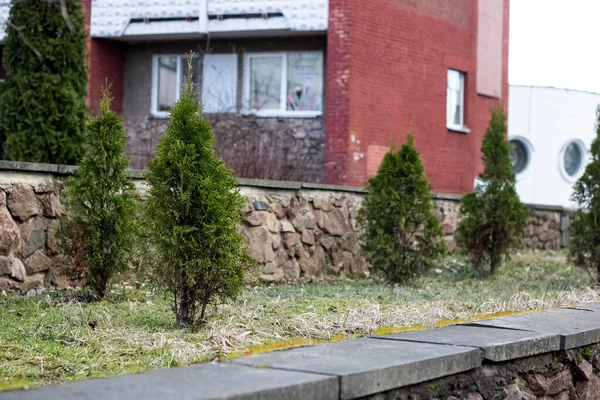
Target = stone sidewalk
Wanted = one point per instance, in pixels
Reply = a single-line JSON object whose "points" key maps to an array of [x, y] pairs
{"points": [[370, 367]]}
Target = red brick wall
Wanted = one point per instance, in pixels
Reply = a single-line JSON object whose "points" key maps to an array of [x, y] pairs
{"points": [[337, 92], [395, 83], [106, 64]]}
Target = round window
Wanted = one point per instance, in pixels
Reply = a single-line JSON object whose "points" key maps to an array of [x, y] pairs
{"points": [[572, 159], [519, 156]]}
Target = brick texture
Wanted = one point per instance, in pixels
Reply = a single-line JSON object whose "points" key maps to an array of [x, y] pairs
{"points": [[387, 66], [337, 92], [106, 64]]}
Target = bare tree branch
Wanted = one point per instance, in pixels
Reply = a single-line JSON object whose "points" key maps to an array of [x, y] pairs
{"points": [[19, 30], [65, 14]]}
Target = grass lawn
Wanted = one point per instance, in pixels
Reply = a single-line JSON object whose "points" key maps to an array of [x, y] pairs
{"points": [[48, 338]]}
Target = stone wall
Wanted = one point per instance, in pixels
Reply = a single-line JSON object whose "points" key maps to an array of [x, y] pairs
{"points": [[254, 147], [30, 216], [296, 231], [302, 231], [566, 375]]}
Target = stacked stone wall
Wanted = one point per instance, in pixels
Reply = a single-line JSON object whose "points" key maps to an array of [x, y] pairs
{"points": [[295, 231]]}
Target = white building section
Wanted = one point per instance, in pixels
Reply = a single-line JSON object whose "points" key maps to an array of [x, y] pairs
{"points": [[136, 18], [551, 131], [301, 15]]}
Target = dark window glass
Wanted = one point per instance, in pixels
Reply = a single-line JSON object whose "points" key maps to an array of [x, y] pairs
{"points": [[519, 156], [573, 159]]}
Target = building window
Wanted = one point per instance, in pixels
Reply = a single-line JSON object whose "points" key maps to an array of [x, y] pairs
{"points": [[572, 159], [168, 74], [219, 83], [455, 100], [519, 156], [284, 84]]}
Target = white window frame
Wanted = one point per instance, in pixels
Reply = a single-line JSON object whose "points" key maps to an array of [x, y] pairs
{"points": [[181, 63], [585, 159], [449, 124], [528, 148], [282, 112]]}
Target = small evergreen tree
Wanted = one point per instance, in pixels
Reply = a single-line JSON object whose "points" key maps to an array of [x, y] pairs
{"points": [[102, 203], [493, 217], [42, 100], [403, 237], [194, 211], [584, 245]]}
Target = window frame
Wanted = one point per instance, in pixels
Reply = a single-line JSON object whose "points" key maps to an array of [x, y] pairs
{"points": [[181, 59], [583, 162], [449, 124], [282, 112], [529, 150]]}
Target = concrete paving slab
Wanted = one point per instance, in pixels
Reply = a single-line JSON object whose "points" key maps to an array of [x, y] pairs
{"points": [[497, 344], [369, 366], [576, 327], [198, 382]]}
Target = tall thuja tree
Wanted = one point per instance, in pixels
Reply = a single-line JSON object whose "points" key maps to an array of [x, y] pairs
{"points": [[42, 100], [493, 217], [584, 245], [193, 211], [102, 203], [403, 236]]}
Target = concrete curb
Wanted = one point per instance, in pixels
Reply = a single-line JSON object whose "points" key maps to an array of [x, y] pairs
{"points": [[351, 369]]}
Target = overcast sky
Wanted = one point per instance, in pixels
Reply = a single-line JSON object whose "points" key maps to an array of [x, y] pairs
{"points": [[555, 43]]}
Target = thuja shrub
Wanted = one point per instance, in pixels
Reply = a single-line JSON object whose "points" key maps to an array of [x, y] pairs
{"points": [[492, 217], [584, 244], [402, 235], [102, 232], [42, 99], [193, 212]]}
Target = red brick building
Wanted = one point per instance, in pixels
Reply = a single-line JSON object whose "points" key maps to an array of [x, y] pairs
{"points": [[388, 72], [310, 89]]}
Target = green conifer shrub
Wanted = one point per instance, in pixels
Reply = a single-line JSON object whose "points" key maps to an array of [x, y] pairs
{"points": [[402, 235], [584, 244], [42, 100], [194, 211], [493, 217], [102, 204]]}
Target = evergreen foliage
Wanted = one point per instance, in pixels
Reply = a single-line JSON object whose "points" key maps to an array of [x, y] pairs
{"points": [[42, 100], [493, 217], [101, 200], [584, 245], [403, 236], [194, 210]]}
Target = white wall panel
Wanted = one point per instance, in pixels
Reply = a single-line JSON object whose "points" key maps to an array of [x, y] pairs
{"points": [[549, 119]]}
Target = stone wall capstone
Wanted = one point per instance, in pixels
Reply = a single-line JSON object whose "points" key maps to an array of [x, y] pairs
{"points": [[295, 231]]}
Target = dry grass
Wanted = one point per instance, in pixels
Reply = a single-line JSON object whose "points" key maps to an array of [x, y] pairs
{"points": [[44, 339]]}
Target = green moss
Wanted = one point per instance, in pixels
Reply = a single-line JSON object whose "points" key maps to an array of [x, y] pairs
{"points": [[433, 386], [588, 353]]}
